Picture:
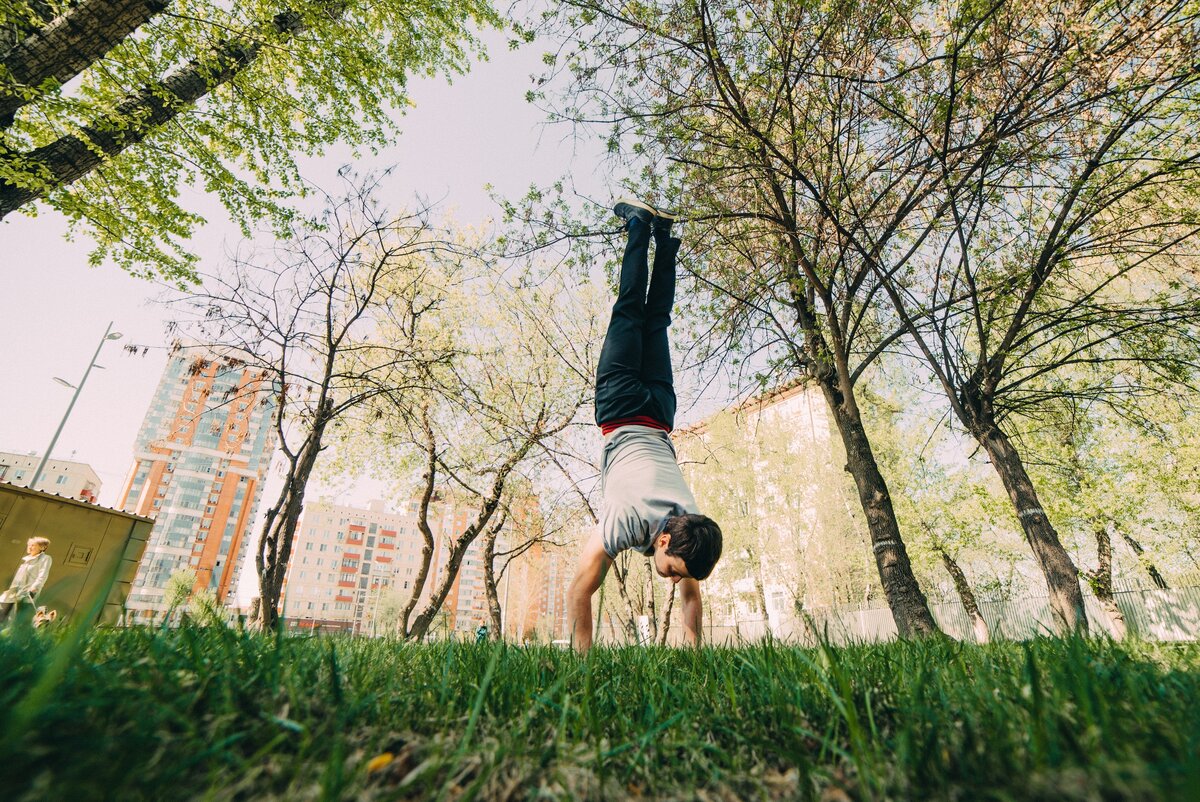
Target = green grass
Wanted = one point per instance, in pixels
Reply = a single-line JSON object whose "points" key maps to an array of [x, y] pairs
{"points": [[223, 715]]}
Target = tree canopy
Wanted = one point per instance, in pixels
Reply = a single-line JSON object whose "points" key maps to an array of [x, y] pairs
{"points": [[109, 108]]}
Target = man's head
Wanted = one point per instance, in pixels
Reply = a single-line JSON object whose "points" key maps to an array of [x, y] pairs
{"points": [[689, 546], [36, 545]]}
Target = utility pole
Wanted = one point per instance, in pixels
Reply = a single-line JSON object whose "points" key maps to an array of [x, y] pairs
{"points": [[109, 334]]}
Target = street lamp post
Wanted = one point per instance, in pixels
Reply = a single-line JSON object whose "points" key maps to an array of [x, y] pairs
{"points": [[109, 334]]}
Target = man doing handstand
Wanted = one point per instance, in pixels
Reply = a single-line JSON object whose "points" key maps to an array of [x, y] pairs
{"points": [[647, 505]]}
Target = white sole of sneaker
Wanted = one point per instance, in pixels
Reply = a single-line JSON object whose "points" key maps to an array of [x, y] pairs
{"points": [[636, 204]]}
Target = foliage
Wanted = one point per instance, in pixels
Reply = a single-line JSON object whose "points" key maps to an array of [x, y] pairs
{"points": [[773, 478], [1131, 475], [178, 589], [302, 314], [805, 164], [945, 497], [225, 97], [223, 714], [206, 609], [521, 341], [984, 180]]}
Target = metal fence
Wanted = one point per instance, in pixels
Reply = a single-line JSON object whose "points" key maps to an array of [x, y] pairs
{"points": [[1150, 614]]}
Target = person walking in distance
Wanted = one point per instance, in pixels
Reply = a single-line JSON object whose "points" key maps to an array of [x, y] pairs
{"points": [[18, 600], [647, 505]]}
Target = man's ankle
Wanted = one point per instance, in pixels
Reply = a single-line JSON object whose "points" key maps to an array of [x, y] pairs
{"points": [[665, 242]]}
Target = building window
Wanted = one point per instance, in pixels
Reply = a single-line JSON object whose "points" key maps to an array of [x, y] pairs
{"points": [[61, 480]]}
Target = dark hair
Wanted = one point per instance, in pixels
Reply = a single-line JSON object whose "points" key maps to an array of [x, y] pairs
{"points": [[697, 539]]}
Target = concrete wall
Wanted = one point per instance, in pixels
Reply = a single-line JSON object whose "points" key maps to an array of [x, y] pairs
{"points": [[88, 544]]}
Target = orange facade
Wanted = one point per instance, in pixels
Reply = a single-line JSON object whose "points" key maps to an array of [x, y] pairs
{"points": [[200, 461]]}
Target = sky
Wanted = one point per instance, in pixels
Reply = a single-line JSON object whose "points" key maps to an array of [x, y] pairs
{"points": [[458, 138]]}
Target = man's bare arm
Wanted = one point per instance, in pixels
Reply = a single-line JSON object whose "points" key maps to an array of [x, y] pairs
{"points": [[693, 610], [593, 565]]}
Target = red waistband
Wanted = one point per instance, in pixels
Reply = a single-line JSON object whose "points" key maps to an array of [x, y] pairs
{"points": [[608, 427]]}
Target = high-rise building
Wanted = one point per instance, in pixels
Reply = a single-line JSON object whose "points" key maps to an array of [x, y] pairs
{"points": [[533, 593], [66, 478], [352, 569], [199, 463]]}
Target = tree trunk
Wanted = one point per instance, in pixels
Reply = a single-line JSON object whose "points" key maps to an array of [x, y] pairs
{"points": [[489, 581], [1101, 582], [458, 548], [904, 597], [67, 46], [15, 30], [71, 157], [966, 595], [761, 592], [651, 607], [1145, 561], [279, 528], [622, 576], [666, 619], [598, 626], [428, 479], [1062, 577]]}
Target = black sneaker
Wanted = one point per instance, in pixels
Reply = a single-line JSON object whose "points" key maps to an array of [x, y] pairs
{"points": [[632, 209], [662, 223]]}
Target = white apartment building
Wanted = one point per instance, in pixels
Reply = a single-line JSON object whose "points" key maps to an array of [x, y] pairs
{"points": [[788, 428], [63, 477]]}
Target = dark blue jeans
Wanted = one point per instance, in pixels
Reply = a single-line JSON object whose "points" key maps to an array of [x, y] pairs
{"points": [[634, 376]]}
